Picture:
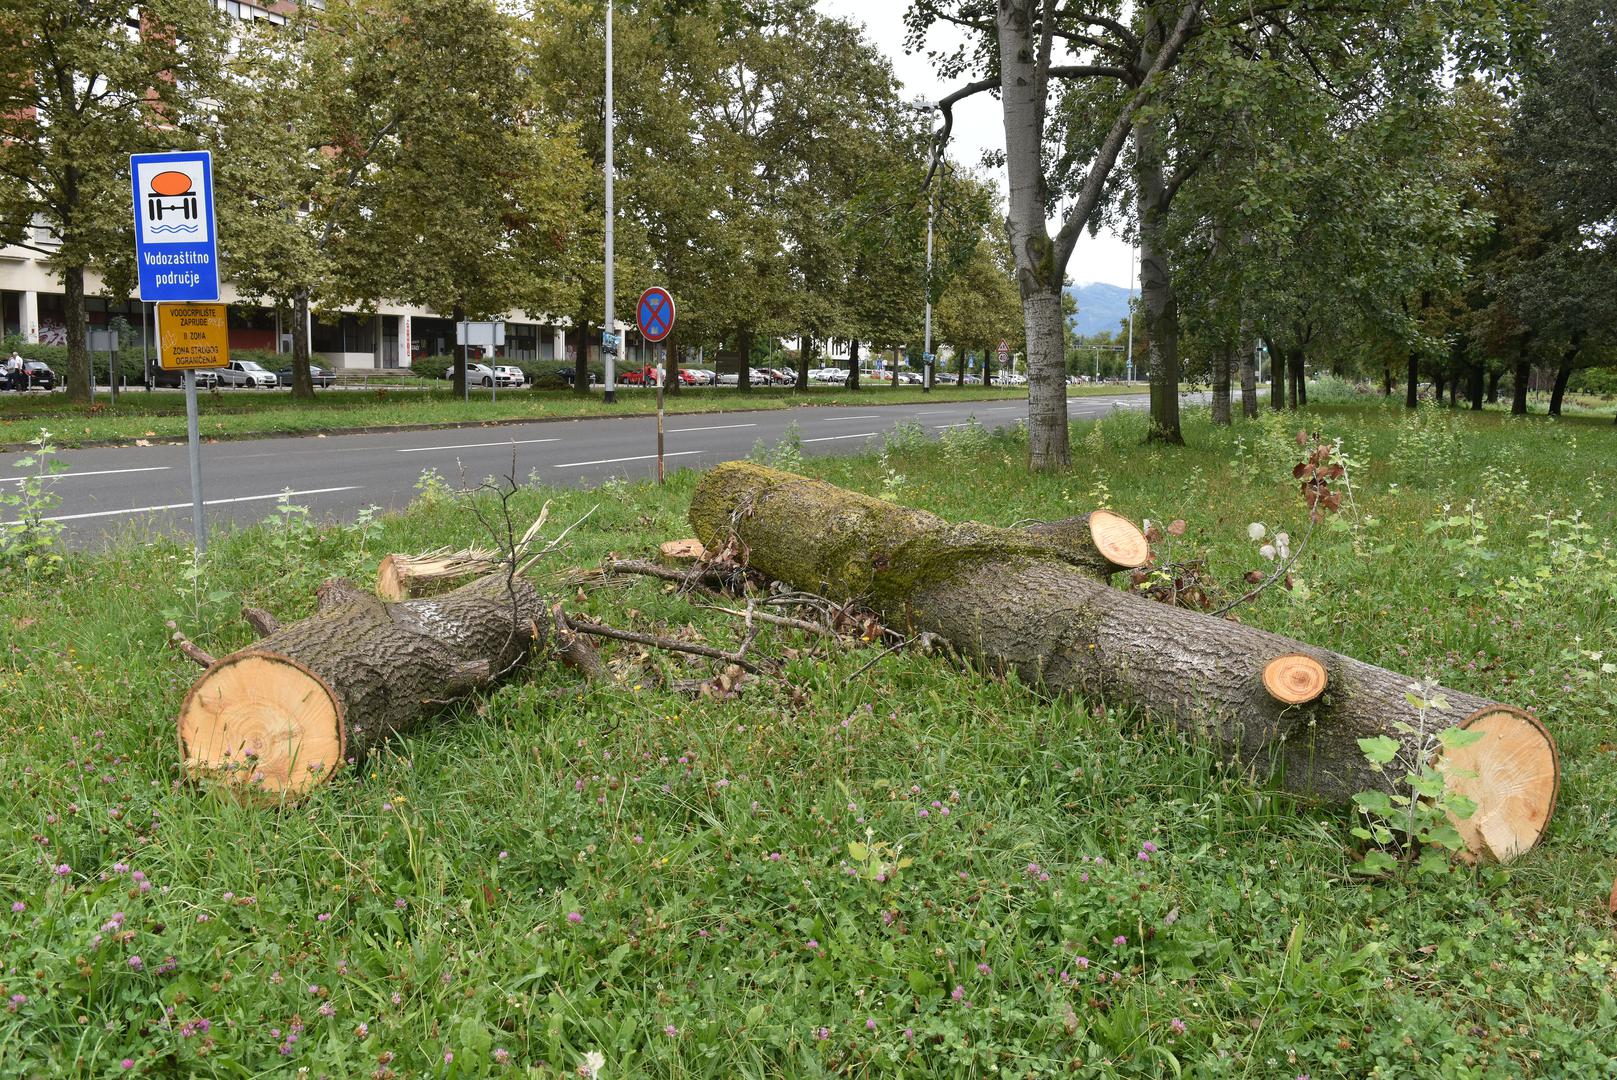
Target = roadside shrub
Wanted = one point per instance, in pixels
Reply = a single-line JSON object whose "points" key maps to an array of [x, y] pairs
{"points": [[1602, 381], [1330, 390], [546, 380], [431, 367]]}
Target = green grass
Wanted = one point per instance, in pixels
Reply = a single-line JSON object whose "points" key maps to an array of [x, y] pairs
{"points": [[448, 865], [246, 413]]}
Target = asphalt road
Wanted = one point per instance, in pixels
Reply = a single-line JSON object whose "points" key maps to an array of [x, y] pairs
{"points": [[113, 491]]}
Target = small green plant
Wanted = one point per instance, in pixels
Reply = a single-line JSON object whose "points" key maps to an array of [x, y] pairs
{"points": [[960, 444], [30, 540], [906, 435], [1419, 810], [431, 487], [786, 455], [876, 861]]}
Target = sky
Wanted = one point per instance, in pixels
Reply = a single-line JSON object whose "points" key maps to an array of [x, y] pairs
{"points": [[977, 124]]}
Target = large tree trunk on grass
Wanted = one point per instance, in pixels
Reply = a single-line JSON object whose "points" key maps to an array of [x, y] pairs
{"points": [[1563, 375], [80, 375], [1257, 697], [281, 716], [1277, 376], [744, 374], [1494, 375], [458, 316], [581, 356], [1518, 391], [1473, 388], [853, 364], [805, 346]]}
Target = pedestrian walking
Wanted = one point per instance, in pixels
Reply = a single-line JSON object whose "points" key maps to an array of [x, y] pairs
{"points": [[16, 375]]}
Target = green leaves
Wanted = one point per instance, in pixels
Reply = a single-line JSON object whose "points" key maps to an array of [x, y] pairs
{"points": [[1379, 750]]}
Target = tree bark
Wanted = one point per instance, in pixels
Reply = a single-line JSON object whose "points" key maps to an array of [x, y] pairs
{"points": [[283, 715], [1563, 375], [1159, 304], [1474, 386], [1412, 383], [672, 383], [1222, 362], [1001, 600], [1518, 392], [805, 346], [960, 365], [458, 315], [1249, 378], [80, 377], [1277, 376], [1494, 375], [853, 364], [1386, 379], [1300, 376], [581, 355], [1038, 276], [302, 379], [1440, 382]]}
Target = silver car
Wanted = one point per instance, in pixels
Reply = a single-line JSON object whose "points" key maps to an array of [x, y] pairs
{"points": [[248, 373]]}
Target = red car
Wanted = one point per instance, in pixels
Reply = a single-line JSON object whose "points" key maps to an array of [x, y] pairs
{"points": [[647, 376]]}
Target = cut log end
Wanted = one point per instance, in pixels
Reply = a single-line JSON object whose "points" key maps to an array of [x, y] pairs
{"points": [[390, 581], [1294, 679], [1119, 540], [1512, 773], [677, 551], [262, 723]]}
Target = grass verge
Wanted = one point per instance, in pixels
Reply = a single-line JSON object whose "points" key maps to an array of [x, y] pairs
{"points": [[248, 413], [417, 917]]}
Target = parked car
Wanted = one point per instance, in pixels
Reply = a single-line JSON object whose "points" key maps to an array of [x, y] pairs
{"points": [[317, 375], [36, 376], [702, 376], [778, 377], [828, 375], [248, 373], [567, 375], [909, 378], [754, 378], [476, 374], [206, 377], [509, 375]]}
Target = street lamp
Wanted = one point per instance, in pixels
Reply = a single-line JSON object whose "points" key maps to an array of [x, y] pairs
{"points": [[609, 343]]}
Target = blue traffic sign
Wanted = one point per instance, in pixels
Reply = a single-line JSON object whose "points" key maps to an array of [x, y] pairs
{"points": [[655, 313], [176, 242]]}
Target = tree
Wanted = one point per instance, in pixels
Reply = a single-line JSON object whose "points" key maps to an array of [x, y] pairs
{"points": [[83, 85], [981, 305], [475, 182]]}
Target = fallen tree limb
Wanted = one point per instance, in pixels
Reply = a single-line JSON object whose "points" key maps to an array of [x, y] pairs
{"points": [[1000, 598], [284, 714], [595, 629]]}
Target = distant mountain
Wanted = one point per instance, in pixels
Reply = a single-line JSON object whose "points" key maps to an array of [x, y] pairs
{"points": [[1101, 307]]}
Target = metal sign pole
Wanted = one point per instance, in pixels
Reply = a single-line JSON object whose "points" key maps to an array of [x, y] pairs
{"points": [[662, 367], [195, 441]]}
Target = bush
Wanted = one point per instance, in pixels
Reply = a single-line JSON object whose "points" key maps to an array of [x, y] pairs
{"points": [[1602, 381], [431, 367]]}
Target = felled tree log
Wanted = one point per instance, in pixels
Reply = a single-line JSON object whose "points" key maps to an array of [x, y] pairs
{"points": [[1260, 698], [282, 715], [404, 577]]}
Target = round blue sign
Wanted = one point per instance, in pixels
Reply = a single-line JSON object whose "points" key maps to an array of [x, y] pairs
{"points": [[655, 313]]}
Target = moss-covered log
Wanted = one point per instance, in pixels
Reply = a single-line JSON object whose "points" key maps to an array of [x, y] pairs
{"points": [[1014, 603], [282, 715]]}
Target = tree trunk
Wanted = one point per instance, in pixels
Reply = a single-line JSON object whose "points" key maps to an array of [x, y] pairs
{"points": [[1000, 600], [990, 355], [744, 376], [1047, 438], [1518, 392], [1288, 360], [672, 384], [302, 380], [581, 355], [1249, 378], [1494, 375], [80, 377], [1222, 362], [1563, 375], [1386, 379], [1277, 376], [805, 346], [960, 365], [853, 364], [1299, 376], [1412, 384], [458, 315], [1473, 389], [1159, 305], [1038, 278], [283, 715]]}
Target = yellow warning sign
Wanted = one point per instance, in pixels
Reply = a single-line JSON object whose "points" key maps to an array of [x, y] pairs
{"points": [[191, 336]]}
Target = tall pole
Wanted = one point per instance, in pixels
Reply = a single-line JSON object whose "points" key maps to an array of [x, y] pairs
{"points": [[608, 327], [926, 349], [1133, 252], [193, 439]]}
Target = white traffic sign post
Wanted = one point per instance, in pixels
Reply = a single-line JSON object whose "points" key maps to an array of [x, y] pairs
{"points": [[1004, 358], [177, 256], [105, 341], [490, 334], [655, 317]]}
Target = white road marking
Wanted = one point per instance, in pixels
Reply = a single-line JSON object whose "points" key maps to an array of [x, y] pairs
{"points": [[833, 438], [615, 460], [75, 475], [840, 419], [468, 446], [186, 505], [940, 427], [712, 427]]}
